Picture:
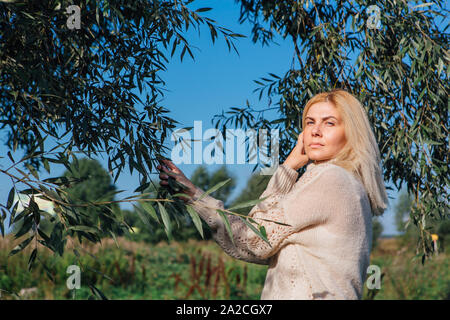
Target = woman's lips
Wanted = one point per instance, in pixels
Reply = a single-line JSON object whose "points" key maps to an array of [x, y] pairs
{"points": [[316, 145]]}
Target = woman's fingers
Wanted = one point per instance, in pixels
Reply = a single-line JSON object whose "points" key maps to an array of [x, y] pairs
{"points": [[163, 176], [162, 167], [167, 170], [171, 166]]}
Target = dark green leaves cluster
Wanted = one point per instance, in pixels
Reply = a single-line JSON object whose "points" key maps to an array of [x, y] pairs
{"points": [[94, 90]]}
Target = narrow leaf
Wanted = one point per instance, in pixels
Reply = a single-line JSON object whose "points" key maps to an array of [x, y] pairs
{"points": [[10, 156], [150, 210], [196, 219], [203, 9], [166, 220], [21, 246], [10, 198], [46, 165], [97, 292], [143, 217], [83, 228], [217, 186], [246, 204], [227, 224], [31, 259], [258, 232], [32, 170], [142, 187]]}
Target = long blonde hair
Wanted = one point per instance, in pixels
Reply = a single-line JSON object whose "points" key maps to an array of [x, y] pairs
{"points": [[360, 155]]}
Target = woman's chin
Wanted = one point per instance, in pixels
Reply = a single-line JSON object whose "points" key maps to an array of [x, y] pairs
{"points": [[317, 158]]}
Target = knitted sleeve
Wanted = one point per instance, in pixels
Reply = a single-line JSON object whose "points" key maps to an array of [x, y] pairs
{"points": [[309, 202]]}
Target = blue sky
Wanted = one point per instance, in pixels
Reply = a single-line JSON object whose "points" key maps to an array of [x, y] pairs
{"points": [[217, 80]]}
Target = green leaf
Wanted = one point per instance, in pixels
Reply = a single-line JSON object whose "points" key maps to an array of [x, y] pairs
{"points": [[262, 229], [181, 195], [10, 156], [249, 203], [21, 246], [203, 9], [2, 221], [43, 235], [143, 216], [440, 66], [32, 170], [258, 232], [83, 228], [46, 165], [150, 210], [227, 224], [97, 292], [166, 220], [10, 198], [280, 223], [26, 226], [423, 5], [31, 259], [142, 187], [196, 219], [217, 186], [114, 237]]}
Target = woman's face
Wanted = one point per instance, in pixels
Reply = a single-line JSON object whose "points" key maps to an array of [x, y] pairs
{"points": [[324, 134]]}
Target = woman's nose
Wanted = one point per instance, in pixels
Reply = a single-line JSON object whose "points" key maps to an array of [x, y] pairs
{"points": [[316, 130]]}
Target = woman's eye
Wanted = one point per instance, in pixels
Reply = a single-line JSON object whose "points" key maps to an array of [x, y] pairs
{"points": [[309, 122], [331, 123]]}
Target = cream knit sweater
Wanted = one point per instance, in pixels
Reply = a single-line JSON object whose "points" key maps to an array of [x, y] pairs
{"points": [[323, 254]]}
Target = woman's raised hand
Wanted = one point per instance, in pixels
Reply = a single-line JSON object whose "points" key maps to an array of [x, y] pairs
{"points": [[297, 158], [166, 166]]}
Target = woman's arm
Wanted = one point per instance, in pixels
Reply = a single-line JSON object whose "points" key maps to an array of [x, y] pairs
{"points": [[280, 183], [326, 193]]}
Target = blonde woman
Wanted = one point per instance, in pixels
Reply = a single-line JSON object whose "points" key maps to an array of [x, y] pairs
{"points": [[324, 250]]}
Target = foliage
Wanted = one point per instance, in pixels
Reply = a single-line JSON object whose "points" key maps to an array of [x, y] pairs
{"points": [[133, 271], [403, 278], [87, 91], [402, 210], [399, 72], [93, 185], [148, 229], [202, 179]]}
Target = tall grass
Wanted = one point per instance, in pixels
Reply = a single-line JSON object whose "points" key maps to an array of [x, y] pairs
{"points": [[404, 276], [192, 270]]}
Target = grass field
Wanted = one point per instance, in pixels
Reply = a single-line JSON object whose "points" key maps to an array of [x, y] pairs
{"points": [[194, 270]]}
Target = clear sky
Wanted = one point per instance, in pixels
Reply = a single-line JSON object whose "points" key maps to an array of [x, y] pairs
{"points": [[217, 80]]}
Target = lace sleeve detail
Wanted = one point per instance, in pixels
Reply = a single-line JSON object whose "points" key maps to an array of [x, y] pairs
{"points": [[325, 193], [270, 216], [280, 183], [240, 250]]}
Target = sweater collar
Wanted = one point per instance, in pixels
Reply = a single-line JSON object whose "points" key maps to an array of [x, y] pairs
{"points": [[311, 165]]}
